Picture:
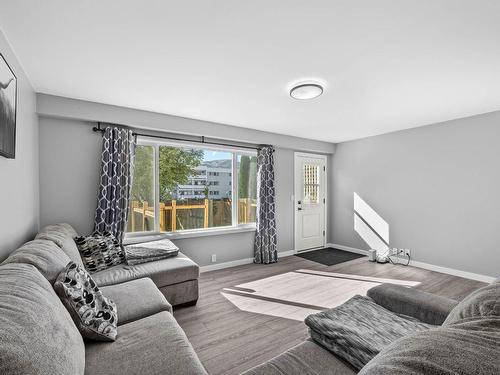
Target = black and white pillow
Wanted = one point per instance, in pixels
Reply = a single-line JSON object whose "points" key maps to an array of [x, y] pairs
{"points": [[100, 251], [94, 314]]}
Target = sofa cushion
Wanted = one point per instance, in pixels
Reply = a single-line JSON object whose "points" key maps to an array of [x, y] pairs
{"points": [[480, 304], [37, 333], [153, 345], [62, 235], [45, 255], [94, 314], [305, 358], [136, 299], [162, 272], [426, 307], [100, 251], [443, 350]]}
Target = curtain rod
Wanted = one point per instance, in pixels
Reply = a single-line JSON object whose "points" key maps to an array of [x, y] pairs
{"points": [[202, 140]]}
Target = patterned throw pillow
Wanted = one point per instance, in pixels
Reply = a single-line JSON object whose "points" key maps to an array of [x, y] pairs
{"points": [[94, 314], [100, 251]]}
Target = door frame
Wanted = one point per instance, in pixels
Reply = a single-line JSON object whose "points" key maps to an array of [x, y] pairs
{"points": [[323, 157]]}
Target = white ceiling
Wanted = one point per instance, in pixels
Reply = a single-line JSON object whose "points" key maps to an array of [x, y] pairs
{"points": [[387, 64]]}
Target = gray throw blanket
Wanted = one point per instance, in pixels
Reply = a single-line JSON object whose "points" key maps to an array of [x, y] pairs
{"points": [[357, 330], [150, 251]]}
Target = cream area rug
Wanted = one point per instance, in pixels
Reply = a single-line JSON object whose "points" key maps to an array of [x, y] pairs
{"points": [[297, 294]]}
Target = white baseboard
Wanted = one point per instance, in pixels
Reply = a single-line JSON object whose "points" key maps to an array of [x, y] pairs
{"points": [[219, 266], [239, 262], [452, 271], [347, 248], [426, 266], [308, 250], [286, 253]]}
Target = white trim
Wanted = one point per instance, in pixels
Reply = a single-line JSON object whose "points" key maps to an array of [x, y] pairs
{"points": [[285, 253], [325, 159], [452, 271], [427, 266], [239, 262], [151, 236], [235, 198], [309, 155], [307, 250], [325, 237], [430, 267], [219, 266], [156, 180]]}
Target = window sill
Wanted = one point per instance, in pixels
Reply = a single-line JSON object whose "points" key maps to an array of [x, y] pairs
{"points": [[150, 236]]}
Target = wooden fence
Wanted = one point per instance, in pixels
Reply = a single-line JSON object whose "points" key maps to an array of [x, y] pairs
{"points": [[205, 214]]}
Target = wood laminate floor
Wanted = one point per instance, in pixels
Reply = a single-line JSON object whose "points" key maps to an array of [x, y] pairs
{"points": [[229, 340]]}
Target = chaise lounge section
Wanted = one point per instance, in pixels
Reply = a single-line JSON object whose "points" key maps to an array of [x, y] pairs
{"points": [[176, 278]]}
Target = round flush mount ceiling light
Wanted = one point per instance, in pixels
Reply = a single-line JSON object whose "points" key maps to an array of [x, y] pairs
{"points": [[306, 90]]}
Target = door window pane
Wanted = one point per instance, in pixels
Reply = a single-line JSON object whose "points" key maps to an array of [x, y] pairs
{"points": [[142, 205], [311, 183], [247, 188]]}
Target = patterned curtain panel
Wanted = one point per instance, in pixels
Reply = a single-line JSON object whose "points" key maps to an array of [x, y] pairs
{"points": [[118, 151], [265, 237]]}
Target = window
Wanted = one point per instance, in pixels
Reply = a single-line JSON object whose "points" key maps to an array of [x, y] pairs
{"points": [[247, 188], [142, 206], [173, 188], [311, 183]]}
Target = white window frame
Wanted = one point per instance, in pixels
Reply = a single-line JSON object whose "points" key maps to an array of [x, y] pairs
{"points": [[187, 233]]}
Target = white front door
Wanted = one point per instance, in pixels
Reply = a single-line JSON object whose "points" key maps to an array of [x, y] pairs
{"points": [[310, 201]]}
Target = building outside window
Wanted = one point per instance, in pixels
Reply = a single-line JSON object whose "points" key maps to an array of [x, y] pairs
{"points": [[173, 188]]}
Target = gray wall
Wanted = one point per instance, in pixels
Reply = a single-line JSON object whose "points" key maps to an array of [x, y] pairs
{"points": [[60, 107], [69, 173], [70, 160], [437, 186], [19, 176]]}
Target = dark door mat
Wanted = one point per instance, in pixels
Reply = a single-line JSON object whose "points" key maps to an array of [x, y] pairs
{"points": [[329, 256]]}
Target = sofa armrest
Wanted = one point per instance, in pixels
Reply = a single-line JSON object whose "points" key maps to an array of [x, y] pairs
{"points": [[426, 307], [136, 299]]}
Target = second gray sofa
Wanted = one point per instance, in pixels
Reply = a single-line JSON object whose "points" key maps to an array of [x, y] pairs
{"points": [[469, 329]]}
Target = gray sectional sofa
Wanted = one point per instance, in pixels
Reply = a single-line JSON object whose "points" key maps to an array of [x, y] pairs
{"points": [[465, 339], [38, 335]]}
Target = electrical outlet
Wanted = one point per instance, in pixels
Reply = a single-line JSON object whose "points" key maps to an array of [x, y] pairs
{"points": [[214, 258], [398, 255], [407, 253]]}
